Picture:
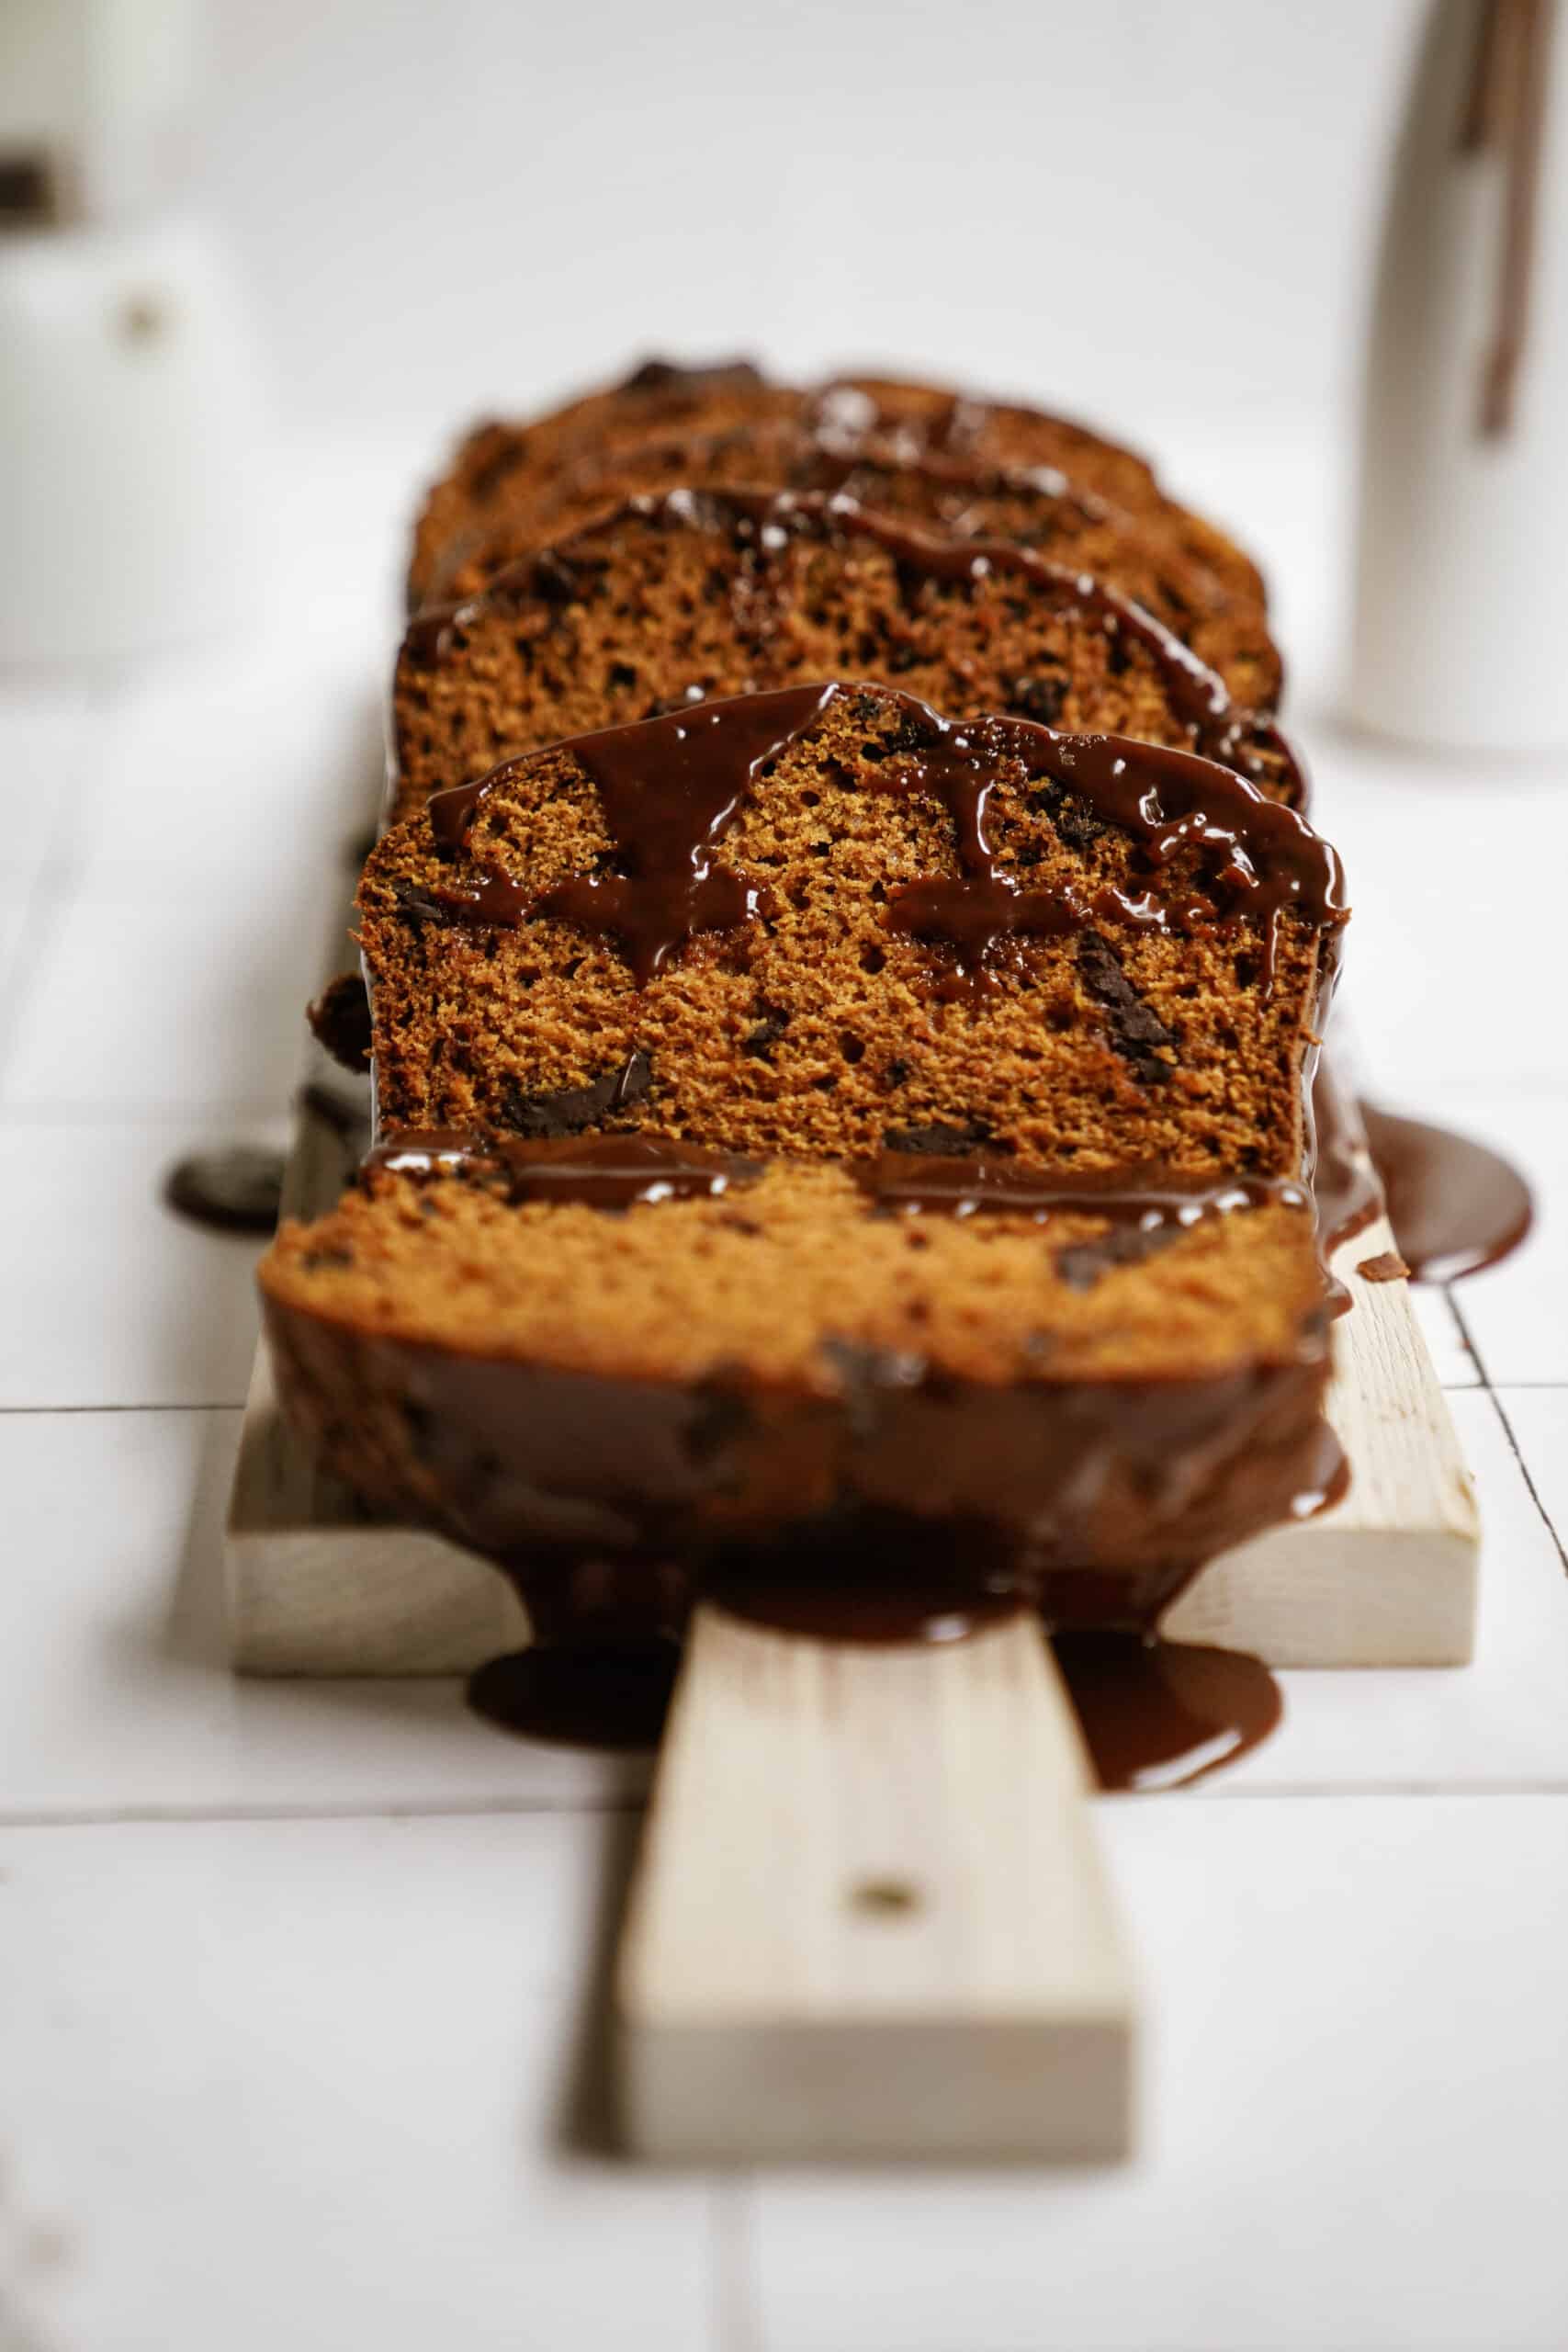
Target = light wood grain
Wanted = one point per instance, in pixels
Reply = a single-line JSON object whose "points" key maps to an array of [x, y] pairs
{"points": [[869, 1917], [316, 1587], [1387, 1577]]}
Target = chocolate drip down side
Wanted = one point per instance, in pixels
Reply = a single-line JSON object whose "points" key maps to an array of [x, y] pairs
{"points": [[1094, 1502]]}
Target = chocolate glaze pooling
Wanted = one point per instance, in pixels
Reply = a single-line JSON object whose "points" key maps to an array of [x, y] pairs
{"points": [[908, 1507], [238, 1191], [1153, 1714], [617, 1171], [1158, 1714], [1455, 1206], [609, 1697], [670, 787]]}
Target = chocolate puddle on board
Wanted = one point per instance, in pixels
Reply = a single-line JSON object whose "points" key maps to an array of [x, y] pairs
{"points": [[1455, 1205], [1153, 1714]]}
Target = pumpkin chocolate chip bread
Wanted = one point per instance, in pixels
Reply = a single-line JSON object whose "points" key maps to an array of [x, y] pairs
{"points": [[827, 922], [709, 593], [811, 1123], [1179, 570], [502, 471], [618, 1366]]}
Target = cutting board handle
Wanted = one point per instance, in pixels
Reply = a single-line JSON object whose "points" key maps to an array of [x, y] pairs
{"points": [[870, 1918]]}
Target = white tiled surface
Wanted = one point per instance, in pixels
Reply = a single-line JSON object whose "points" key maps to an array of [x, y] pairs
{"points": [[294, 1979]]}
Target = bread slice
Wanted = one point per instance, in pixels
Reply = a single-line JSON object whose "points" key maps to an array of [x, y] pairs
{"points": [[503, 473], [827, 921], [712, 593], [619, 1368], [1181, 570], [811, 1126]]}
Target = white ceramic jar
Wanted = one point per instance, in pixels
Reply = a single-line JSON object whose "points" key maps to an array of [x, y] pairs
{"points": [[133, 509], [133, 444], [1463, 554]]}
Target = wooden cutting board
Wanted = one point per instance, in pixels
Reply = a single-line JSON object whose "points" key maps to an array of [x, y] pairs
{"points": [[870, 1918]]}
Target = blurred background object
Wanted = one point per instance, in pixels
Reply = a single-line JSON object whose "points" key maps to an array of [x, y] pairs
{"points": [[1163, 219], [1144, 211], [133, 438], [1464, 487], [1160, 218]]}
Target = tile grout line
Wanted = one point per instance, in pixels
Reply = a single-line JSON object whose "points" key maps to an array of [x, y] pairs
{"points": [[1558, 1545], [1468, 1335], [203, 1405], [1489, 1387], [145, 1110], [60, 866], [736, 2313], [173, 1816]]}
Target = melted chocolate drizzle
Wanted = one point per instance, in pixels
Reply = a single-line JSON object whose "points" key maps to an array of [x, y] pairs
{"points": [[670, 789], [1154, 1715], [670, 786], [610, 1172], [961, 1186], [1163, 798]]}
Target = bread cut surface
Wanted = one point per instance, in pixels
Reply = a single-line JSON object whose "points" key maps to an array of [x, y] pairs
{"points": [[832, 1012]]}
